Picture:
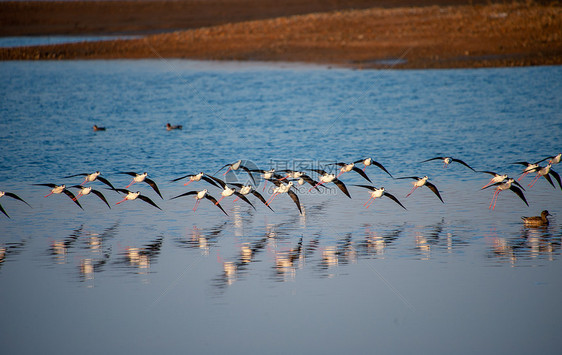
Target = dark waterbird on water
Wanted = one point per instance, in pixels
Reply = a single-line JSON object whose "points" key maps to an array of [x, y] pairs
{"points": [[537, 220]]}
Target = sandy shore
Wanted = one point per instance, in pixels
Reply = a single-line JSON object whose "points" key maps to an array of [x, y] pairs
{"points": [[397, 35]]}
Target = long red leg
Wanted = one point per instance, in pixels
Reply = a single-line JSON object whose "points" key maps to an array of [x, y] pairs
{"points": [[196, 204], [49, 194], [534, 181], [227, 170], [272, 198], [187, 183], [365, 204], [415, 187], [132, 182], [369, 205], [313, 187], [220, 199], [123, 200]]}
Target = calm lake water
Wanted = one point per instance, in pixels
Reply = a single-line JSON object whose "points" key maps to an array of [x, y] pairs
{"points": [[452, 277]]}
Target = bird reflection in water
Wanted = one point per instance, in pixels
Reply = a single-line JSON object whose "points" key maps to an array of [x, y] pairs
{"points": [[10, 249], [532, 243], [287, 262], [201, 239], [141, 258]]}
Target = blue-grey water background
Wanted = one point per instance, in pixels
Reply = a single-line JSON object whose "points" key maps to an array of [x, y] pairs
{"points": [[453, 277]]}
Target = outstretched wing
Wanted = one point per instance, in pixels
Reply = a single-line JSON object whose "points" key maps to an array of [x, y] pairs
{"points": [[260, 197], [342, 187], [393, 198], [52, 186], [105, 181], [556, 177], [214, 181], [214, 201], [185, 194], [69, 176], [463, 163], [132, 173], [362, 173], [224, 166], [211, 180], [249, 173], [101, 196], [147, 200], [3, 211], [12, 195], [379, 165], [434, 189], [436, 158], [72, 197], [243, 198], [153, 185], [310, 181], [519, 193], [372, 188], [181, 177], [295, 198]]}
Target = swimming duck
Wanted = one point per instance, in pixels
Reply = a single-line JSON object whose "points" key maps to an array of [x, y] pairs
{"points": [[537, 221]]}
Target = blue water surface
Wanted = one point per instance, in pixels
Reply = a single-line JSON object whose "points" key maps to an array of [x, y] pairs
{"points": [[340, 278]]}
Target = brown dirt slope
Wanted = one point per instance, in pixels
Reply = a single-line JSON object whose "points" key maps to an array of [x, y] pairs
{"points": [[424, 37]]}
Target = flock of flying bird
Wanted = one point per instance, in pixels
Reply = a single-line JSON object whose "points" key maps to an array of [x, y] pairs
{"points": [[285, 181]]}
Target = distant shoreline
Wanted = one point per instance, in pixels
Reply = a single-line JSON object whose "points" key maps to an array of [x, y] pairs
{"points": [[450, 36]]}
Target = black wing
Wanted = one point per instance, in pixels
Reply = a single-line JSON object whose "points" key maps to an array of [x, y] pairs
{"points": [[519, 193], [214, 201], [101, 196], [362, 173], [72, 197], [372, 188], [224, 166], [147, 200], [185, 194], [182, 177], [243, 198], [549, 179], [310, 181], [488, 172], [69, 176], [518, 184], [214, 180], [260, 197], [408, 177], [12, 195], [211, 180], [556, 176], [249, 173], [436, 158], [319, 171], [434, 189], [153, 185], [342, 187], [463, 163], [124, 191], [132, 173], [3, 211], [52, 186], [522, 163], [379, 165], [295, 198], [393, 198], [105, 181]]}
